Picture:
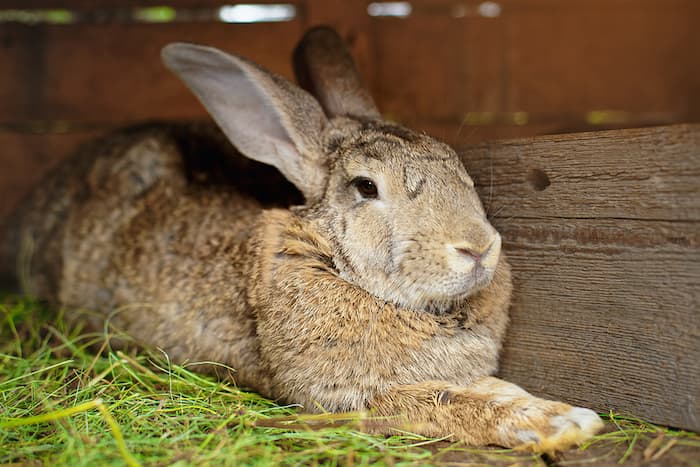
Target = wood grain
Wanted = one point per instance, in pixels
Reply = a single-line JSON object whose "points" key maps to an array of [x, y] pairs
{"points": [[647, 173], [606, 261]]}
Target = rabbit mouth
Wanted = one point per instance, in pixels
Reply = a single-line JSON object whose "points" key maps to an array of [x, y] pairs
{"points": [[439, 294], [481, 276], [462, 286]]}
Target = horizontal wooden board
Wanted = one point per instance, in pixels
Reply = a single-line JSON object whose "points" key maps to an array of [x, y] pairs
{"points": [[413, 68], [606, 267], [646, 174], [612, 322], [542, 57], [20, 90], [29, 150], [462, 132]]}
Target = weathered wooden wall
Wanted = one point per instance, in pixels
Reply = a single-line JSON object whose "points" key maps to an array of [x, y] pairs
{"points": [[603, 232], [541, 66]]}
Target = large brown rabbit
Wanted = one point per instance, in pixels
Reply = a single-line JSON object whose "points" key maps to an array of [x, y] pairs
{"points": [[386, 290]]}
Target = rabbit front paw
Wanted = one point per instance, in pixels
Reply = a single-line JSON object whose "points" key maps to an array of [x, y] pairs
{"points": [[546, 426], [530, 423]]}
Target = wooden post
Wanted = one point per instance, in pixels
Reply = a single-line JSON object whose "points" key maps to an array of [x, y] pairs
{"points": [[603, 232]]}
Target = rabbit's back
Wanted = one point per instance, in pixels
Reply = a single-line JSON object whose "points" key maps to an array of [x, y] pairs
{"points": [[36, 231], [154, 217], [101, 187]]}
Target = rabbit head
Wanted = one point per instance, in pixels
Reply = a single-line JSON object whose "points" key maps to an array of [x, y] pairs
{"points": [[397, 208]]}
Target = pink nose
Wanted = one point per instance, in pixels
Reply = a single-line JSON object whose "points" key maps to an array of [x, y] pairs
{"points": [[471, 253]]}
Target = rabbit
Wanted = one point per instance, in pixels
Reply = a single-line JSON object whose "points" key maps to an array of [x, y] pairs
{"points": [[382, 288]]}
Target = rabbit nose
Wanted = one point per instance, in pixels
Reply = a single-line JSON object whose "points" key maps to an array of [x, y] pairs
{"points": [[469, 253], [483, 256]]}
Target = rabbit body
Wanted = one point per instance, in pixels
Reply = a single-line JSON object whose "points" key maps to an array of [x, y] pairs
{"points": [[188, 267], [385, 291]]}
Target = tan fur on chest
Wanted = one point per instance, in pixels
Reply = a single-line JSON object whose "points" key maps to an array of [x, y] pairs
{"points": [[361, 344]]}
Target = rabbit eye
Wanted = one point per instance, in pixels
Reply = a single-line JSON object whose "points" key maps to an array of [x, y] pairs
{"points": [[366, 187]]}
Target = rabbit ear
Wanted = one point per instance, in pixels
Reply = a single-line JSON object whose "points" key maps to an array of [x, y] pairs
{"points": [[266, 117], [324, 67]]}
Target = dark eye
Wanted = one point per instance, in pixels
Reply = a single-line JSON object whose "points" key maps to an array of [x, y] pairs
{"points": [[366, 187]]}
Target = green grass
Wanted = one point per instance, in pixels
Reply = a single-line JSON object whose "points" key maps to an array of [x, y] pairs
{"points": [[67, 398]]}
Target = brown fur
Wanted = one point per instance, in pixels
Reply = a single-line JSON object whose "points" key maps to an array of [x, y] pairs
{"points": [[343, 303]]}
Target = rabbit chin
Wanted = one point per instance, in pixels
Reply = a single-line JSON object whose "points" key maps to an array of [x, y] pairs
{"points": [[431, 293]]}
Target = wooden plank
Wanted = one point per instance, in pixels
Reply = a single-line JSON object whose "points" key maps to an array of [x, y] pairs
{"points": [[403, 84], [112, 73], [612, 322], [587, 55], [647, 174], [459, 133], [21, 79], [486, 74], [606, 262]]}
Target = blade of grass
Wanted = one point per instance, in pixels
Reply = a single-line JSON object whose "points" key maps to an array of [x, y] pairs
{"points": [[48, 417], [128, 458], [36, 372]]}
